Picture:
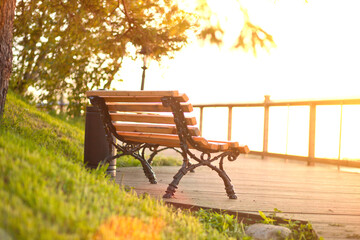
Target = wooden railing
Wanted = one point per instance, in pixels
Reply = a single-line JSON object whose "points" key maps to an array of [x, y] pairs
{"points": [[311, 159]]}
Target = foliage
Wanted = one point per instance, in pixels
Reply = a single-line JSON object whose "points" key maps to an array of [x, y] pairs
{"points": [[166, 161], [231, 227], [47, 194], [251, 36], [78, 122], [129, 228], [226, 224], [266, 220], [299, 230], [128, 161], [63, 48]]}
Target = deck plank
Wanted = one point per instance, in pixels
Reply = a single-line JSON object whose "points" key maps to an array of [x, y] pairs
{"points": [[323, 195]]}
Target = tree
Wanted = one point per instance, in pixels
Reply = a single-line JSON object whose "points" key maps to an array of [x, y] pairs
{"points": [[7, 8], [68, 47], [250, 38], [63, 48]]}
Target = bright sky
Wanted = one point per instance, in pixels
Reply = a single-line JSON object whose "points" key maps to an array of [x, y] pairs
{"points": [[317, 56]]}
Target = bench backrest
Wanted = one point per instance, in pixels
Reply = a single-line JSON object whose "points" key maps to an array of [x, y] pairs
{"points": [[140, 116]]}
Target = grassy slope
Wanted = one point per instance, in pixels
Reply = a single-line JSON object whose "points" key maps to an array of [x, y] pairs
{"points": [[47, 194]]}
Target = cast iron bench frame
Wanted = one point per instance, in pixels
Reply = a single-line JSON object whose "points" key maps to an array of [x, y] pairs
{"points": [[183, 138]]}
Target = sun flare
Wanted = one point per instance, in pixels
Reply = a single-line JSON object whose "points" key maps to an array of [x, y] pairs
{"points": [[316, 58]]}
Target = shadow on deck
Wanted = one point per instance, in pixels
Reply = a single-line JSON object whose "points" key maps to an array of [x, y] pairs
{"points": [[323, 195]]}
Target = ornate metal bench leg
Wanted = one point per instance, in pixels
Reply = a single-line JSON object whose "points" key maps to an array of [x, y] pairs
{"points": [[192, 170], [230, 191], [149, 173], [228, 186], [170, 191]]}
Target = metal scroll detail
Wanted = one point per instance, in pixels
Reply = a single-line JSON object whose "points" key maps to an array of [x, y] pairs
{"points": [[205, 158]]}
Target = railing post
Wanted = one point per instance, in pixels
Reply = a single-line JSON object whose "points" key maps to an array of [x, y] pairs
{"points": [[312, 128], [201, 120], [340, 133], [229, 123], [266, 126]]}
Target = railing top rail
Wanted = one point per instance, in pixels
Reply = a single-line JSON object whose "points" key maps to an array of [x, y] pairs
{"points": [[312, 104], [353, 101]]}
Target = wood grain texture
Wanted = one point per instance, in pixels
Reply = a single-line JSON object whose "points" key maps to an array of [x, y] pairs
{"points": [[181, 98], [145, 107], [153, 128], [131, 93], [149, 118], [134, 113], [170, 140]]}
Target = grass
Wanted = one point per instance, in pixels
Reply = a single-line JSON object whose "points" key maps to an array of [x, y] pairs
{"points": [[129, 161], [234, 227], [300, 230], [46, 192], [227, 224]]}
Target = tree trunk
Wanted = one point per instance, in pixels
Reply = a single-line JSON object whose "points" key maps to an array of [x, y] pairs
{"points": [[7, 9]]}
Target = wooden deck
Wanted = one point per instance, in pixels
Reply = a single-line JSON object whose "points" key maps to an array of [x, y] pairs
{"points": [[323, 195]]}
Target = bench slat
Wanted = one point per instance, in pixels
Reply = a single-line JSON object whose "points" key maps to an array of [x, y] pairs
{"points": [[149, 118], [153, 128], [231, 143], [181, 98], [170, 140], [162, 142], [131, 93], [145, 107], [242, 148], [135, 104], [161, 139]]}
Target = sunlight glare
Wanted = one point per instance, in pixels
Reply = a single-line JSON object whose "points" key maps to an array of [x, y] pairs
{"points": [[316, 57], [298, 133], [278, 117], [248, 127], [350, 149], [327, 131], [215, 123]]}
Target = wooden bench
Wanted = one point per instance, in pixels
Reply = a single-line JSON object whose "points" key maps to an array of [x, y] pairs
{"points": [[158, 120]]}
